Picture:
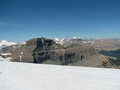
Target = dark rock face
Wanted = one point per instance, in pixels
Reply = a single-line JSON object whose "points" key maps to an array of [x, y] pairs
{"points": [[42, 50], [24, 53], [48, 50], [31, 42], [46, 44]]}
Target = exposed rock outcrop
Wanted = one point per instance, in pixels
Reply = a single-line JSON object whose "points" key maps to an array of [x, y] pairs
{"points": [[24, 53], [47, 50], [42, 50]]}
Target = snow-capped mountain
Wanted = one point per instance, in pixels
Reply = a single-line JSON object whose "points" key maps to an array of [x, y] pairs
{"points": [[76, 37], [5, 43], [64, 40], [6, 48], [61, 41], [77, 40]]}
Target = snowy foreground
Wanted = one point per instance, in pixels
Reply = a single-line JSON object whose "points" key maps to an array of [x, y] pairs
{"points": [[25, 76]]}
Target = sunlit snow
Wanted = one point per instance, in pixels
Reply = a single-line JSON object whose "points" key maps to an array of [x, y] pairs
{"points": [[25, 76]]}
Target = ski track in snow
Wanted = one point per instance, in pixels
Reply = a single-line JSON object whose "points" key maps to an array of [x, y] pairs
{"points": [[25, 76]]}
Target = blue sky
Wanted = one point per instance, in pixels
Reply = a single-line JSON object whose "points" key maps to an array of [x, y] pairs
{"points": [[25, 19]]}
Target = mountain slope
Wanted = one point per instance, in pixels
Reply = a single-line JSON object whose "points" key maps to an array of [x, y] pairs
{"points": [[21, 76], [2, 59], [46, 51]]}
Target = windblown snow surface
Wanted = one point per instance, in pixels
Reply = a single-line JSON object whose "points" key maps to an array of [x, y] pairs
{"points": [[25, 76]]}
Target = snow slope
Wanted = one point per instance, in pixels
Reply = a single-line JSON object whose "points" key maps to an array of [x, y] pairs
{"points": [[3, 59], [21, 76]]}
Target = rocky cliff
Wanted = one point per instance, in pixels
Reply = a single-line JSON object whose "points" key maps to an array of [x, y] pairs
{"points": [[42, 50], [24, 53]]}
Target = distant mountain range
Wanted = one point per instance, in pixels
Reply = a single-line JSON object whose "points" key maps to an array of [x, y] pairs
{"points": [[68, 51], [65, 51], [104, 44], [5, 43]]}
